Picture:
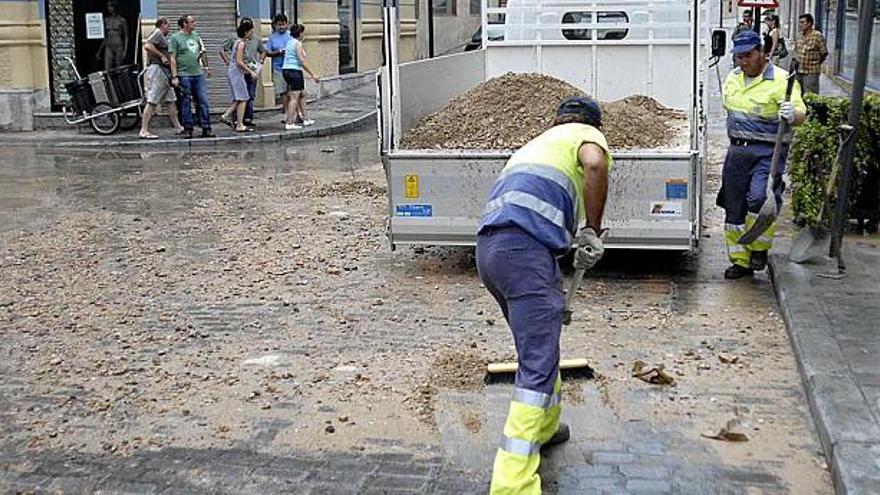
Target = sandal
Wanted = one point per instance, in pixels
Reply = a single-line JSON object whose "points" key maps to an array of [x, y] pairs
{"points": [[225, 120], [246, 129], [148, 136]]}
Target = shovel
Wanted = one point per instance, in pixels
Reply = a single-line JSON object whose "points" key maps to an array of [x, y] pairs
{"points": [[812, 237], [769, 210]]}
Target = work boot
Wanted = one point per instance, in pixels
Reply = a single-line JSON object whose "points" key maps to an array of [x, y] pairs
{"points": [[206, 133], [758, 260], [187, 133], [736, 271], [563, 433]]}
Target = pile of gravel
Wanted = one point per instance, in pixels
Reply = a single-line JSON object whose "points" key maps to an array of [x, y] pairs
{"points": [[507, 111]]}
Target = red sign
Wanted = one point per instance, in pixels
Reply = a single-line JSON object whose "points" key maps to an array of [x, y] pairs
{"points": [[764, 4]]}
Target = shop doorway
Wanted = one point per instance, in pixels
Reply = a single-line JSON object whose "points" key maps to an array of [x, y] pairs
{"points": [[116, 45]]}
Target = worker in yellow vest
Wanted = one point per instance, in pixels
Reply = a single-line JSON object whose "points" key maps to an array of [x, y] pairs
{"points": [[551, 190], [754, 97]]}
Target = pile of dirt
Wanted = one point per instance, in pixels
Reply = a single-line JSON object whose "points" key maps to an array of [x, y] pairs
{"points": [[507, 111]]}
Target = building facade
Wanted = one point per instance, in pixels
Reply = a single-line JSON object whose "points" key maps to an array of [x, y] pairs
{"points": [[42, 40]]}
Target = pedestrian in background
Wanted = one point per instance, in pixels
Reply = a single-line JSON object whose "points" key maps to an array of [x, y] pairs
{"points": [[190, 70], [294, 64], [254, 55], [550, 190], [774, 43], [236, 71], [745, 25], [158, 79], [754, 97], [811, 52], [275, 49]]}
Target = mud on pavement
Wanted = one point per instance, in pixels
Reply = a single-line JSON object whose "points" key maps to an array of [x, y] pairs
{"points": [[220, 307]]}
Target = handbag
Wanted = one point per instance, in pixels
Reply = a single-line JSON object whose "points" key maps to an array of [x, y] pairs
{"points": [[781, 49]]}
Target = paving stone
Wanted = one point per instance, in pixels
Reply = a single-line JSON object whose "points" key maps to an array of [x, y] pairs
{"points": [[648, 486], [612, 457], [645, 472]]}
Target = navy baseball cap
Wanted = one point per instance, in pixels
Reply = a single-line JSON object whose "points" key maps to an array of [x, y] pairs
{"points": [[583, 105], [746, 41]]}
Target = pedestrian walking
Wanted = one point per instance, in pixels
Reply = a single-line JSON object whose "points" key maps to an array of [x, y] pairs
{"points": [[754, 97], [295, 63], [237, 69], [275, 50], [190, 70], [254, 55], [551, 187], [811, 52], [158, 79]]}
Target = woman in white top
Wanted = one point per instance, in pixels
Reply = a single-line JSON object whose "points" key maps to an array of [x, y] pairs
{"points": [[294, 64]]}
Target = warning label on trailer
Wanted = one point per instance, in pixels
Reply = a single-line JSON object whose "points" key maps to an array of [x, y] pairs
{"points": [[411, 185], [666, 208], [413, 211]]}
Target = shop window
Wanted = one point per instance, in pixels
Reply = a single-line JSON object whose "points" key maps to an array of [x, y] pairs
{"points": [[476, 7], [444, 7], [850, 37]]}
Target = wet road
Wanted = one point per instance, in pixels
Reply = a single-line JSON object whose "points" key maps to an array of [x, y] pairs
{"points": [[235, 322]]}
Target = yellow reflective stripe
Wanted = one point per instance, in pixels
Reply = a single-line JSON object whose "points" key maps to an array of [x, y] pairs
{"points": [[531, 202], [520, 447], [734, 227]]}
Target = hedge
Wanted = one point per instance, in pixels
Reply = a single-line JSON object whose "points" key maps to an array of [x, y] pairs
{"points": [[813, 151]]}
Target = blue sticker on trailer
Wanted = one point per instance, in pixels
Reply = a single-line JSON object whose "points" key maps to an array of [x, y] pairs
{"points": [[413, 211], [676, 189]]}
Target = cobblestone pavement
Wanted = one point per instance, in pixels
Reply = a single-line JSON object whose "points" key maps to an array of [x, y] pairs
{"points": [[233, 322]]}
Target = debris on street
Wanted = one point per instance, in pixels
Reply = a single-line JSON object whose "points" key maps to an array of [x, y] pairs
{"points": [[732, 431], [654, 375], [508, 111]]}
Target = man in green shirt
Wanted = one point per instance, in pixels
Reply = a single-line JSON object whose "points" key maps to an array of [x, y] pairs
{"points": [[187, 54]]}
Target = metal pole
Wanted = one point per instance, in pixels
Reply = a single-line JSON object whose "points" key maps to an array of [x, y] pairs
{"points": [[866, 18], [430, 28]]}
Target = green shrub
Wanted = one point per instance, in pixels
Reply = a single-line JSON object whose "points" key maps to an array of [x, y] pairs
{"points": [[814, 148]]}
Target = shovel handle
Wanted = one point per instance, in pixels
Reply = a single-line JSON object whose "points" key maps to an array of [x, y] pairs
{"points": [[783, 129], [575, 285]]}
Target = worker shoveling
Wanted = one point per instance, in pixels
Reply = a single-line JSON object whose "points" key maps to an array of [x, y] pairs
{"points": [[551, 193]]}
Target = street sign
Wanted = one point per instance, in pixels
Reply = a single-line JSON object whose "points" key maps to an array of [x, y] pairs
{"points": [[764, 4]]}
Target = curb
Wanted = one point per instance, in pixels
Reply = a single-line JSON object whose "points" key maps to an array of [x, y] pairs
{"points": [[199, 143], [847, 429]]}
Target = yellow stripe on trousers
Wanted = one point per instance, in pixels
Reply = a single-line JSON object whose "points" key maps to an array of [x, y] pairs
{"points": [[532, 420]]}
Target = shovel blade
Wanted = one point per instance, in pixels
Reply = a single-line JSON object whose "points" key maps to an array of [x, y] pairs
{"points": [[808, 244], [765, 219]]}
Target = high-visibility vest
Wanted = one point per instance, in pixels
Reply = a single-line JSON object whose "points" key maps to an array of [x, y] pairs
{"points": [[752, 110], [541, 189]]}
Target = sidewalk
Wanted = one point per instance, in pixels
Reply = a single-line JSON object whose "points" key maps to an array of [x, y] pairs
{"points": [[835, 333], [335, 114]]}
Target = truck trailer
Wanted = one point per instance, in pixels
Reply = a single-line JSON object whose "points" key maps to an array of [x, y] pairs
{"points": [[609, 49]]}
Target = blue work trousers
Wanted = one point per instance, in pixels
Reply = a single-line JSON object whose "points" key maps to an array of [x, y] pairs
{"points": [[744, 179], [523, 276], [195, 87]]}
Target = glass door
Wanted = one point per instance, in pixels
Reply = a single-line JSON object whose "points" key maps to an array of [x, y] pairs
{"points": [[347, 16]]}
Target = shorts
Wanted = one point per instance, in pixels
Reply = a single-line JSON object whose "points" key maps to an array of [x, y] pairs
{"points": [[159, 88], [279, 82], [295, 80]]}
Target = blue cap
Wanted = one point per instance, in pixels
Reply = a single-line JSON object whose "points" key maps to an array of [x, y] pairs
{"points": [[582, 105], [746, 41]]}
